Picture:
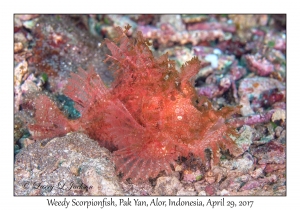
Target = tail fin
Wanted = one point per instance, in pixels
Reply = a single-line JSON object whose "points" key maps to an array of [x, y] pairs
{"points": [[50, 121]]}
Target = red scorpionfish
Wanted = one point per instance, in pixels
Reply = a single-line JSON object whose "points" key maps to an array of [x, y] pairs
{"points": [[151, 114]]}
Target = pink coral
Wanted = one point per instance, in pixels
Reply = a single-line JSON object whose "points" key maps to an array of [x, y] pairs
{"points": [[261, 66]]}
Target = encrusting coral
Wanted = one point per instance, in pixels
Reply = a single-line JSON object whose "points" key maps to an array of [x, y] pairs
{"points": [[149, 116]]}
